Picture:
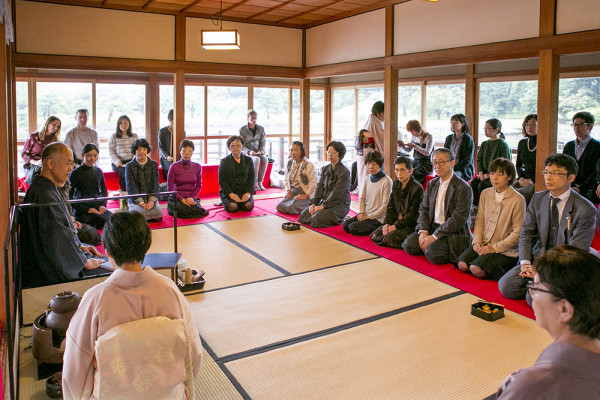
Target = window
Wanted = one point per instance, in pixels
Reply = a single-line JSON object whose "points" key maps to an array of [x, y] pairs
{"points": [[409, 107], [62, 100], [166, 97], [510, 102], [366, 98], [194, 111], [577, 94], [344, 120], [317, 124], [443, 101], [295, 111], [22, 110], [227, 108], [272, 106]]}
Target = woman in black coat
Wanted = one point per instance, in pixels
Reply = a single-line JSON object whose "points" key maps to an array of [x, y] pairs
{"points": [[236, 178], [461, 144]]}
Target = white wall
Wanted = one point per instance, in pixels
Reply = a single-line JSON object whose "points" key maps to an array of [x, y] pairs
{"points": [[423, 26], [85, 31], [259, 44], [355, 38], [577, 15]]}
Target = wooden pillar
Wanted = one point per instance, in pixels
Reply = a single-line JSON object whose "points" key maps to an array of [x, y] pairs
{"points": [[389, 30], [470, 101], [327, 135], [178, 112], [6, 148], [390, 120], [153, 116], [547, 110], [305, 113], [180, 28], [547, 17]]}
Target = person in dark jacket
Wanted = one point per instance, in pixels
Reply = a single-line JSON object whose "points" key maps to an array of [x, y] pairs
{"points": [[526, 154], [403, 208], [141, 177], [87, 182], [331, 202], [586, 151], [165, 145], [236, 178], [461, 145]]}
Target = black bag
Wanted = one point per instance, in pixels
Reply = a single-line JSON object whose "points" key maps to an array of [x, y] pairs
{"points": [[33, 171]]}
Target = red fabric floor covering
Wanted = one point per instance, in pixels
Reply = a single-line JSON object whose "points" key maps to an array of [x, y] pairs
{"points": [[484, 289]]}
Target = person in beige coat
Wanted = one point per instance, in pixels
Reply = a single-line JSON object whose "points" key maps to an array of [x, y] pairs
{"points": [[300, 181], [495, 246]]}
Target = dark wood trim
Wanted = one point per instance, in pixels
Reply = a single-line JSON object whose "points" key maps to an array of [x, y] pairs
{"points": [[470, 103], [305, 113], [389, 30], [375, 6], [180, 37], [178, 112], [547, 17], [547, 110], [390, 138], [328, 115], [285, 3], [313, 9], [29, 60]]}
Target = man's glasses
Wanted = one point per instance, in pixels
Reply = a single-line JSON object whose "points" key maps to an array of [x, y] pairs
{"points": [[553, 173], [532, 288], [439, 163], [579, 125]]}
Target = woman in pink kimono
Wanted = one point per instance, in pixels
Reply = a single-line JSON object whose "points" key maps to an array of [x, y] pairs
{"points": [[132, 293]]}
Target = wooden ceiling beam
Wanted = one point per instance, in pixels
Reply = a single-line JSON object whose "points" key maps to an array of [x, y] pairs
{"points": [[147, 4], [22, 60], [194, 4], [285, 3], [311, 10], [231, 7], [352, 13]]}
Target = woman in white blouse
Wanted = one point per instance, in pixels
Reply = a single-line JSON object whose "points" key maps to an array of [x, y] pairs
{"points": [[300, 181]]}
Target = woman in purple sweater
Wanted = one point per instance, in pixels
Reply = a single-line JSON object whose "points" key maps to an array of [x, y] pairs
{"points": [[185, 176]]}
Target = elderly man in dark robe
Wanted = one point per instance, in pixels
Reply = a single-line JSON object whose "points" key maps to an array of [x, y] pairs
{"points": [[50, 251]]}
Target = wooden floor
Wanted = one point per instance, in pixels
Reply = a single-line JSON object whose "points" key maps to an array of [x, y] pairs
{"points": [[300, 315]]}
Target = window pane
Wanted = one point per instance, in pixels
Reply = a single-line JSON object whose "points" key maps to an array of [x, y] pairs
{"points": [[198, 155], [510, 102], [272, 106], [217, 149], [22, 110], [227, 107], [443, 101], [112, 101], [409, 107], [317, 114], [577, 94], [166, 96], [194, 110], [366, 98], [62, 99], [296, 111], [316, 148], [278, 148], [344, 122]]}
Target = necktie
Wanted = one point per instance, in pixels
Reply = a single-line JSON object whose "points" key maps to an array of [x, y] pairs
{"points": [[553, 227]]}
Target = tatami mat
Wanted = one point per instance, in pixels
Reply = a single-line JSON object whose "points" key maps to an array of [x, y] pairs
{"points": [[212, 383], [250, 316], [295, 251], [225, 263], [438, 351]]}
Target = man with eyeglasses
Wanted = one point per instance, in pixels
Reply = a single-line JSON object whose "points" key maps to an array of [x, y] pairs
{"points": [[442, 232], [556, 216], [586, 150]]}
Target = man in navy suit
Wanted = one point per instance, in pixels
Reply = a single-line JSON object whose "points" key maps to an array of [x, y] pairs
{"points": [[576, 217], [442, 231]]}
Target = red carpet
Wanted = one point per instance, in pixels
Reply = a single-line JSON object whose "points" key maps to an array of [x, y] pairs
{"points": [[484, 289]]}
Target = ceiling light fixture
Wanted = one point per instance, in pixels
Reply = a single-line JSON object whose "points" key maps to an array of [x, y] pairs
{"points": [[219, 39]]}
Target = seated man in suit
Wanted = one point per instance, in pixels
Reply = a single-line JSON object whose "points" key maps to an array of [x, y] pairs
{"points": [[442, 232], [586, 150], [554, 217], [49, 249]]}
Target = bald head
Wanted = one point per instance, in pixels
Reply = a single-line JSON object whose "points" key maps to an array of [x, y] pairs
{"points": [[57, 163]]}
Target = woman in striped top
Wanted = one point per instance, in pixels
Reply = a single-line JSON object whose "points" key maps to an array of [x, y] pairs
{"points": [[119, 147]]}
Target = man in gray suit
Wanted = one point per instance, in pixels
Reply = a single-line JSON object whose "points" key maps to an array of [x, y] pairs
{"points": [[442, 231], [574, 223], [254, 146]]}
